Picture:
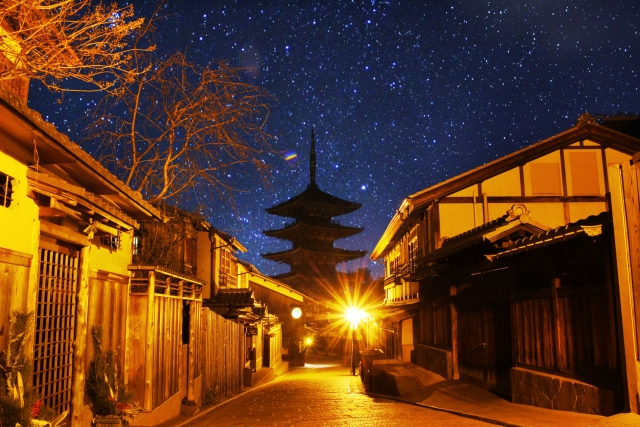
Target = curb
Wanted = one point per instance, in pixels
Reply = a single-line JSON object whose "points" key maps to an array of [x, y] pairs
{"points": [[451, 411]]}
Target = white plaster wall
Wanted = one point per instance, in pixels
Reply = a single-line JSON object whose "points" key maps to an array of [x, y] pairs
{"points": [[19, 222]]}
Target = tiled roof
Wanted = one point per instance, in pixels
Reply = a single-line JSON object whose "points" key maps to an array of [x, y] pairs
{"points": [[232, 298], [310, 197], [590, 226], [516, 218]]}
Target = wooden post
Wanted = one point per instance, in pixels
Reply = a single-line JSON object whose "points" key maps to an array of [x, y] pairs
{"points": [[191, 374], [126, 357], [32, 291], [557, 343], [80, 347], [624, 287], [632, 196], [485, 208], [150, 334], [454, 334]]}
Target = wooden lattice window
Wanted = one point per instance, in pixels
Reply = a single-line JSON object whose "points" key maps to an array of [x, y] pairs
{"points": [[55, 333], [6, 190], [225, 267], [112, 242]]}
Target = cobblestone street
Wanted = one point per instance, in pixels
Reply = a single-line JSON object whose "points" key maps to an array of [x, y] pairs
{"points": [[322, 395]]}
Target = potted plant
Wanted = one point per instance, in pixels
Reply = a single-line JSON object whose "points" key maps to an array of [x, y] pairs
{"points": [[20, 405], [109, 400]]}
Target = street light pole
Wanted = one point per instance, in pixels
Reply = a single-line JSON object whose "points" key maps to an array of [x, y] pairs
{"points": [[354, 315], [353, 349]]}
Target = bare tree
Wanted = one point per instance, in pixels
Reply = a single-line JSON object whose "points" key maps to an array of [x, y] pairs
{"points": [[62, 41], [179, 130]]}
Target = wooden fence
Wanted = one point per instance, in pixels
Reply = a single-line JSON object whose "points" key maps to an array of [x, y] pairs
{"points": [[164, 317], [562, 314], [222, 356]]}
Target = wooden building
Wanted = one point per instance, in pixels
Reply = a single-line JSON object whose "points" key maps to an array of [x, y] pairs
{"points": [[313, 257], [68, 227], [505, 275], [203, 322], [73, 253], [281, 301]]}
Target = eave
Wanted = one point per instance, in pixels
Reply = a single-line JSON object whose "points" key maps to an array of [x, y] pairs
{"points": [[589, 227], [339, 255], [313, 201], [301, 230]]}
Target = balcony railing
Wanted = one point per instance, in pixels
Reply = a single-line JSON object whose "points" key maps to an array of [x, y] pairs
{"points": [[407, 269], [228, 281], [389, 280], [401, 271], [406, 292], [166, 282]]}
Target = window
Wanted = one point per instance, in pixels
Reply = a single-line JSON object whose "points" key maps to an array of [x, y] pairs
{"points": [[413, 250], [112, 242], [136, 245], [55, 326], [225, 268], [545, 179], [584, 173], [6, 190], [190, 250]]}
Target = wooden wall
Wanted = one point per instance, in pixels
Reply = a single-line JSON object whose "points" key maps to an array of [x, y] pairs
{"points": [[168, 356], [14, 285], [435, 323], [136, 345], [562, 312], [107, 307], [222, 354]]}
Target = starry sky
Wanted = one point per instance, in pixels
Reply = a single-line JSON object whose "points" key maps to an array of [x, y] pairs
{"points": [[402, 94]]}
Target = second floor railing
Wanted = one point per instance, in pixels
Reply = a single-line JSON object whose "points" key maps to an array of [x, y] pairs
{"points": [[228, 281]]}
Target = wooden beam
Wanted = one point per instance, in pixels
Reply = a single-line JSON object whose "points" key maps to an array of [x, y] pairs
{"points": [[527, 199], [63, 233], [51, 213], [8, 256]]}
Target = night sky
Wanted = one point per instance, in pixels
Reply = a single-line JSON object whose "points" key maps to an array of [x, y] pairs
{"points": [[401, 95]]}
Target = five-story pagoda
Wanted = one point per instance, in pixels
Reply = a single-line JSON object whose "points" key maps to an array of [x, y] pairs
{"points": [[313, 258]]}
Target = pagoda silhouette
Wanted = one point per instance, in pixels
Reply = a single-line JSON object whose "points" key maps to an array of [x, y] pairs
{"points": [[313, 258]]}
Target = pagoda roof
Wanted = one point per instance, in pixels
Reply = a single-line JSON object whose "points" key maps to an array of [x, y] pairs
{"points": [[335, 254], [300, 230], [313, 201]]}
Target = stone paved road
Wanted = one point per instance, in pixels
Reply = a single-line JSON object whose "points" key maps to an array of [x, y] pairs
{"points": [[322, 395]]}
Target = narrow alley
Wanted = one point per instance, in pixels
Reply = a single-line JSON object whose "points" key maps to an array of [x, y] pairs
{"points": [[322, 395]]}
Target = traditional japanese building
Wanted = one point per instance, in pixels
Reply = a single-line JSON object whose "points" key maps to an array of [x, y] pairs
{"points": [[521, 273], [313, 257]]}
